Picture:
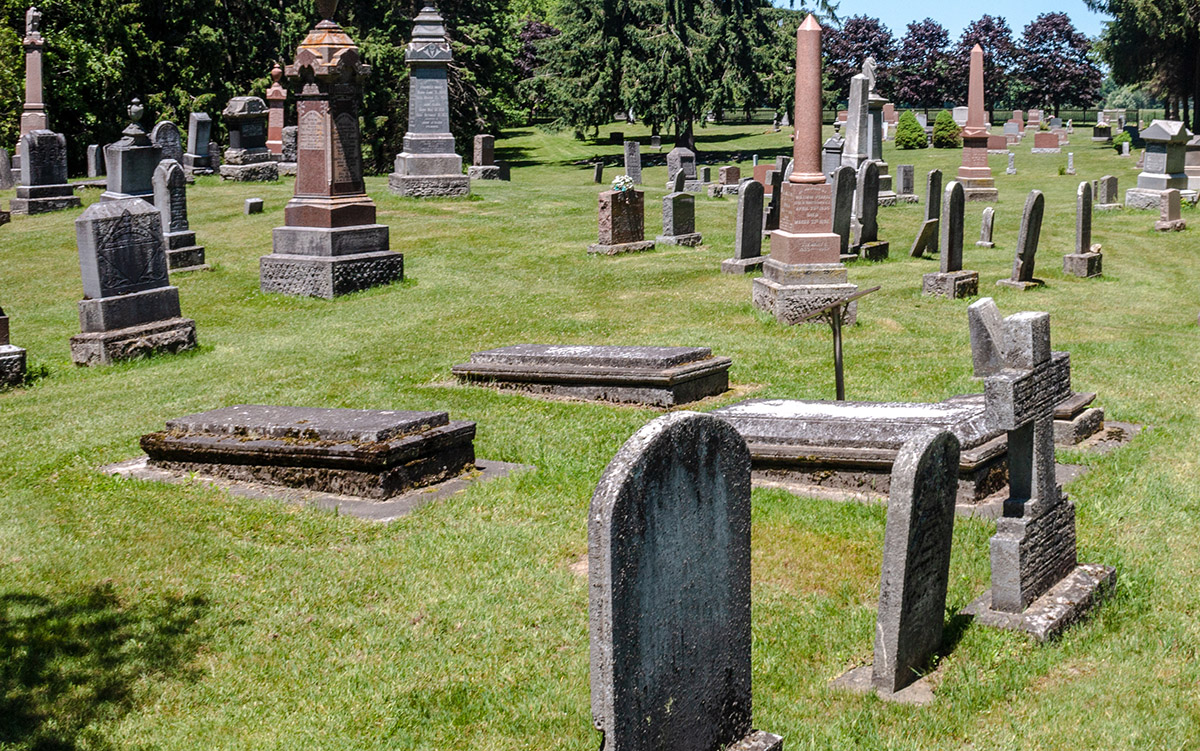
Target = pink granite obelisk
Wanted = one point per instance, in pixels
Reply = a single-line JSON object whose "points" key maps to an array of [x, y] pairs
{"points": [[975, 174], [276, 99], [34, 115], [804, 272]]}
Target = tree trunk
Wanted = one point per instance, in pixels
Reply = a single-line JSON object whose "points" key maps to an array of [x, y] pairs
{"points": [[686, 135]]}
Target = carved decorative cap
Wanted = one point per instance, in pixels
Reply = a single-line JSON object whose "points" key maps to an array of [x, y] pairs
{"points": [[326, 9], [136, 110], [134, 134], [276, 73], [33, 20]]}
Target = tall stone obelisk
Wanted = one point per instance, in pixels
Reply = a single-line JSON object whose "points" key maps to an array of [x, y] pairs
{"points": [[428, 166], [804, 272], [331, 244], [34, 116], [975, 174]]}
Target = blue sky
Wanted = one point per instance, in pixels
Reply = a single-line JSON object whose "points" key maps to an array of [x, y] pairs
{"points": [[956, 15]]}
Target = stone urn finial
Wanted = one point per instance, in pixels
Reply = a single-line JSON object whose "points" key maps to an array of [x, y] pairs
{"points": [[136, 110], [326, 9], [276, 73]]}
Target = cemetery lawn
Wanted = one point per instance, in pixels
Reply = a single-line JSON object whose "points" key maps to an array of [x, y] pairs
{"points": [[137, 615]]}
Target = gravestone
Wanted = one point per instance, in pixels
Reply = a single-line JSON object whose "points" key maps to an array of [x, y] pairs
{"points": [[165, 135], [670, 635], [952, 281], [1125, 149], [616, 138], [1027, 244], [656, 142], [633, 161], [428, 166], [95, 161], [906, 178], [866, 215], [214, 155], [6, 171], [43, 186], [330, 244], [1170, 219], [858, 128], [622, 223], [997, 145], [1165, 165], [729, 182], [1087, 259], [598, 173], [1192, 163], [1037, 585], [1046, 143], [987, 229], [683, 159], [775, 190], [845, 182], [679, 219], [831, 155], [975, 174], [253, 206], [1071, 163], [33, 115], [1102, 133], [652, 376], [198, 160], [1012, 164], [1013, 130], [12, 359], [247, 159], [706, 175], [288, 153], [916, 563], [131, 161], [129, 309], [276, 97], [483, 159], [747, 236], [927, 238], [170, 198]]}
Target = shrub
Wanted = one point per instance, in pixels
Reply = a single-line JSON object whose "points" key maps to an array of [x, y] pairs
{"points": [[1120, 138], [946, 131], [909, 133]]}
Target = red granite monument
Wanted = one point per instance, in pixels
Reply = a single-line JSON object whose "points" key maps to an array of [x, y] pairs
{"points": [[975, 174], [276, 99]]}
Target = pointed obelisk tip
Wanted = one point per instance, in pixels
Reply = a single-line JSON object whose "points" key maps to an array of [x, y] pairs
{"points": [[977, 48], [810, 24]]}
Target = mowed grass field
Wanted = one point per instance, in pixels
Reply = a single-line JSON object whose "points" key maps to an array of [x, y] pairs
{"points": [[138, 615]]}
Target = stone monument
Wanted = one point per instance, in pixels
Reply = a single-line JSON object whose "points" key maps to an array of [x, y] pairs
{"points": [[633, 161], [129, 309], [165, 135], [866, 214], [12, 359], [1107, 195], [679, 219], [906, 177], [858, 123], [1165, 165], [845, 183], [428, 166], [1027, 244], [7, 176], [197, 160], [748, 236], [876, 105], [1170, 217], [670, 637], [170, 198], [1037, 584], [975, 174], [952, 281], [1087, 259], [622, 223], [483, 160], [95, 161], [131, 161], [247, 158], [683, 159], [43, 188], [276, 97], [987, 229], [331, 244], [33, 115]]}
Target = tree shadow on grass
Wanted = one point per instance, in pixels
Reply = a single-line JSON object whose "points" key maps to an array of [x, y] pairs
{"points": [[71, 666]]}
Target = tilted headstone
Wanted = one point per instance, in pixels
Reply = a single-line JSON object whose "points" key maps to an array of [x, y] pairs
{"points": [[670, 634], [198, 159], [1037, 585], [927, 238], [987, 228], [679, 219], [129, 308], [845, 182], [678, 182], [170, 198], [95, 161], [622, 223], [633, 161], [131, 161], [1027, 244], [43, 187], [1170, 218], [866, 214], [165, 135], [748, 236], [1087, 259], [952, 281], [12, 359]]}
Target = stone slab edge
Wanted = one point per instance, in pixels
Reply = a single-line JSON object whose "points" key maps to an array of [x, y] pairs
{"points": [[1065, 603]]}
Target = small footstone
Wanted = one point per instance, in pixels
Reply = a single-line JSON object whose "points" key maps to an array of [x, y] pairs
{"points": [[254, 206]]}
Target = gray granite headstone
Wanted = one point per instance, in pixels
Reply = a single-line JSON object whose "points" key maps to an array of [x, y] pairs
{"points": [[866, 204], [831, 155], [775, 177], [845, 181], [679, 219], [6, 170], [290, 134], [933, 197], [1012, 164], [199, 133], [165, 135], [987, 228], [747, 240], [681, 158], [953, 221], [679, 181], [95, 161], [131, 161], [598, 172], [1027, 243], [1106, 192], [906, 177], [916, 558], [170, 196], [633, 161], [1070, 163], [43, 158], [669, 584]]}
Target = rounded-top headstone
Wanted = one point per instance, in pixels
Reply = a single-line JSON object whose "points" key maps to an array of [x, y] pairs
{"points": [[669, 575]]}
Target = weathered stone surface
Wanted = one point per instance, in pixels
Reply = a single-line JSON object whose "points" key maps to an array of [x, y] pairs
{"points": [[484, 153], [622, 217], [633, 161], [774, 189], [43, 184], [165, 135], [7, 181], [1086, 261], [845, 182], [953, 221], [906, 179], [1107, 196], [95, 161], [253, 206], [987, 229], [12, 359], [916, 558], [1170, 219], [171, 336], [1046, 143], [443, 186], [328, 276], [131, 161], [747, 239], [679, 220], [654, 376], [1165, 157], [682, 159], [170, 198], [670, 634], [729, 175], [866, 214], [352, 452], [1027, 244]]}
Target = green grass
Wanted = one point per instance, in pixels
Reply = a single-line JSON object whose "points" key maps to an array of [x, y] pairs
{"points": [[135, 615]]}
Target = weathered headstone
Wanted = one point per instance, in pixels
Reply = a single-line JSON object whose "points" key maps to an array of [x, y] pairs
{"points": [[845, 182], [483, 159], [831, 155], [330, 244], [1071, 163], [1165, 166], [7, 182], [131, 161], [129, 308], [165, 135], [679, 220], [428, 166], [906, 178], [1170, 219], [927, 238], [866, 215], [670, 635], [1107, 195], [730, 175], [12, 359], [858, 123], [288, 155], [775, 190], [276, 97], [748, 236], [170, 198], [598, 172], [987, 229], [95, 161], [952, 281], [1087, 259], [622, 223], [683, 159], [975, 174], [1012, 164], [1027, 244], [33, 115], [633, 161], [247, 158], [1046, 143], [43, 187], [1037, 585], [198, 160], [656, 142]]}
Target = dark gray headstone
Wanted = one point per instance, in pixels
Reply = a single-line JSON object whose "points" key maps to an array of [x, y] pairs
{"points": [[831, 155], [1083, 218], [95, 161], [845, 181], [775, 177], [598, 172], [199, 133], [953, 221], [1030, 235], [43, 158], [866, 203], [6, 171], [678, 182], [290, 134], [916, 558], [170, 196], [484, 154], [933, 196], [633, 161], [747, 240], [681, 158], [131, 161], [120, 248], [669, 583], [906, 178], [165, 135], [679, 214]]}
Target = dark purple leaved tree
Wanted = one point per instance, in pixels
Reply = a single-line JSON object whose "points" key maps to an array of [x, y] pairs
{"points": [[1055, 65], [999, 60], [846, 48], [919, 74]]}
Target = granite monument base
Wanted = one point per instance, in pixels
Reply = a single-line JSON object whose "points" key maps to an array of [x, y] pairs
{"points": [[429, 186], [653, 376], [691, 239], [194, 164], [106, 347], [689, 186], [980, 190], [721, 191], [873, 251], [1075, 420], [620, 248], [1019, 285], [371, 454], [12, 366], [1170, 225], [287, 169], [793, 292], [1151, 200], [758, 740], [1054, 150], [742, 265], [1065, 603], [260, 172], [1086, 265], [42, 199], [860, 680], [490, 172], [952, 285], [328, 276]]}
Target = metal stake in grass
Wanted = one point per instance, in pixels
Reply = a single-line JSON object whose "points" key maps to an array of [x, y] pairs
{"points": [[837, 311]]}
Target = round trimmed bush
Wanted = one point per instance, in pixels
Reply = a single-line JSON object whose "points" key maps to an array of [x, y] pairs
{"points": [[909, 133], [946, 132]]}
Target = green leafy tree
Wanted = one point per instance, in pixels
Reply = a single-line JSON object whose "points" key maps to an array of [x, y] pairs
{"points": [[909, 133], [946, 133]]}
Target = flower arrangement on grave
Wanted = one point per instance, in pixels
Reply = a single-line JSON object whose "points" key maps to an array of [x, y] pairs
{"points": [[622, 183]]}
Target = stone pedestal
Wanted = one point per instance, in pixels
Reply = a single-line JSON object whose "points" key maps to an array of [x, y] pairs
{"points": [[679, 221], [331, 244], [276, 101], [975, 175], [953, 285], [170, 198], [43, 184], [247, 159], [131, 161], [428, 166], [1084, 265], [33, 115]]}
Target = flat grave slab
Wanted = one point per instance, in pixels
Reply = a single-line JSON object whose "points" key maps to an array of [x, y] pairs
{"points": [[653, 376], [372, 454]]}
